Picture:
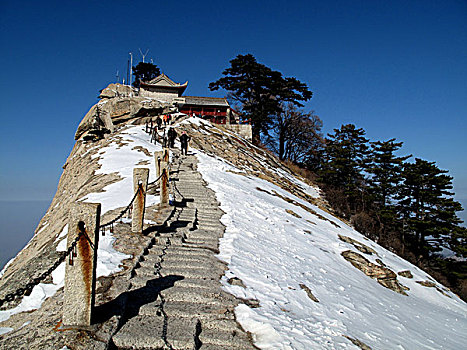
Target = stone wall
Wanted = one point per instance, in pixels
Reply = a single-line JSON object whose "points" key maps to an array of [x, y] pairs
{"points": [[166, 95], [243, 130]]}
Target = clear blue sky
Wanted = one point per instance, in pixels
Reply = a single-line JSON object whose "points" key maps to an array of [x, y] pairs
{"points": [[395, 68]]}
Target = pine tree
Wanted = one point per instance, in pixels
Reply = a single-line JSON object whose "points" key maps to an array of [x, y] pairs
{"points": [[145, 71], [385, 170], [260, 91], [345, 158], [428, 210]]}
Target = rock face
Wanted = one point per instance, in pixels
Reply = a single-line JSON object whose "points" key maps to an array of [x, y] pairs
{"points": [[386, 277], [117, 90], [119, 104]]}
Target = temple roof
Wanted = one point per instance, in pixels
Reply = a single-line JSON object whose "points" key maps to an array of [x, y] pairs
{"points": [[164, 81], [206, 101]]}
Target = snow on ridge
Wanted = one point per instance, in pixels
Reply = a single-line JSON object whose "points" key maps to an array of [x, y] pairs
{"points": [[113, 159], [273, 251], [121, 156]]}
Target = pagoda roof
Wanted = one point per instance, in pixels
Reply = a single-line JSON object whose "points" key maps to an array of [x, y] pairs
{"points": [[164, 81]]}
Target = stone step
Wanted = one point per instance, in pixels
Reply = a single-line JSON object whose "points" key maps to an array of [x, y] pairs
{"points": [[201, 311], [188, 251], [202, 205], [194, 295], [173, 255], [215, 230], [226, 325], [146, 332], [198, 283], [224, 347], [203, 234], [202, 266], [209, 224], [205, 242], [191, 272], [192, 260], [208, 218], [235, 339]]}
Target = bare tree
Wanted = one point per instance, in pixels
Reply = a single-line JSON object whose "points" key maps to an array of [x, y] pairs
{"points": [[296, 134]]}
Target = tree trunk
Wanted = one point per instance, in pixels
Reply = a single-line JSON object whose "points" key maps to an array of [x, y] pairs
{"points": [[255, 135], [281, 144]]}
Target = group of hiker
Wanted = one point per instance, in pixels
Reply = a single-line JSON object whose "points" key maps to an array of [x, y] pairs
{"points": [[184, 138], [169, 137]]}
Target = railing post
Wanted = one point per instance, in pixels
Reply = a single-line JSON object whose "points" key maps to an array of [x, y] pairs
{"points": [[80, 270], [164, 196], [140, 184], [158, 160]]}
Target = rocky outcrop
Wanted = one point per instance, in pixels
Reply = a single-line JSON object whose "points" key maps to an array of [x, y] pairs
{"points": [[360, 246], [117, 90], [386, 277], [119, 104]]}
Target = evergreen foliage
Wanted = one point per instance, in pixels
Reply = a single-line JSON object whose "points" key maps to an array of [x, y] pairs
{"points": [[428, 211], [260, 91], [406, 207], [385, 176], [346, 155], [145, 71]]}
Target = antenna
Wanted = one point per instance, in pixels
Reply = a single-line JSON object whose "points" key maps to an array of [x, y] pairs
{"points": [[118, 76], [144, 56], [131, 67]]}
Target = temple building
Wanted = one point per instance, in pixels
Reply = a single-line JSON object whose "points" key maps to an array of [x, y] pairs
{"points": [[162, 88], [215, 109]]}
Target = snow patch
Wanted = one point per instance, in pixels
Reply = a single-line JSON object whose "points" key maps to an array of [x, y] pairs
{"points": [[274, 252]]}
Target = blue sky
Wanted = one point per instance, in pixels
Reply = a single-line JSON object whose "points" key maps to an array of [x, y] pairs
{"points": [[397, 69]]}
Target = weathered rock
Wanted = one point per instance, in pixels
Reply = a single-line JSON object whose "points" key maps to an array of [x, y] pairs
{"points": [[235, 281], [309, 293], [359, 343], [97, 121], [386, 277], [291, 212], [405, 273], [360, 246], [117, 90]]}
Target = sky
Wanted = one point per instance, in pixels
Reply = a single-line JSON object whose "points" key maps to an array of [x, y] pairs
{"points": [[396, 69]]}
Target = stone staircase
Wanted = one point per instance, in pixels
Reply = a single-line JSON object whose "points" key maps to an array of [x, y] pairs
{"points": [[175, 299]]}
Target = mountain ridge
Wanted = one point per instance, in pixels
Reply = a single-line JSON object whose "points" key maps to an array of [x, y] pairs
{"points": [[263, 202]]}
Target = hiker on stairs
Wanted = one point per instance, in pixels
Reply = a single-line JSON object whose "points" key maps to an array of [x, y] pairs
{"points": [[184, 139], [172, 135]]}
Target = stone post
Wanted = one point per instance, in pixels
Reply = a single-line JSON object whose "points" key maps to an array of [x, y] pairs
{"points": [[80, 266], [140, 177], [227, 117], [164, 196], [158, 160]]}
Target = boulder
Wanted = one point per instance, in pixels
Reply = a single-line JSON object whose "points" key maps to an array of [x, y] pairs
{"points": [[117, 90]]}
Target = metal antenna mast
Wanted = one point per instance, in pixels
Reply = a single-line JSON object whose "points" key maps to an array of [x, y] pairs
{"points": [[144, 56], [131, 68]]}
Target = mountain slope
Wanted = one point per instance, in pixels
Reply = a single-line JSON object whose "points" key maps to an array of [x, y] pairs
{"points": [[308, 280]]}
